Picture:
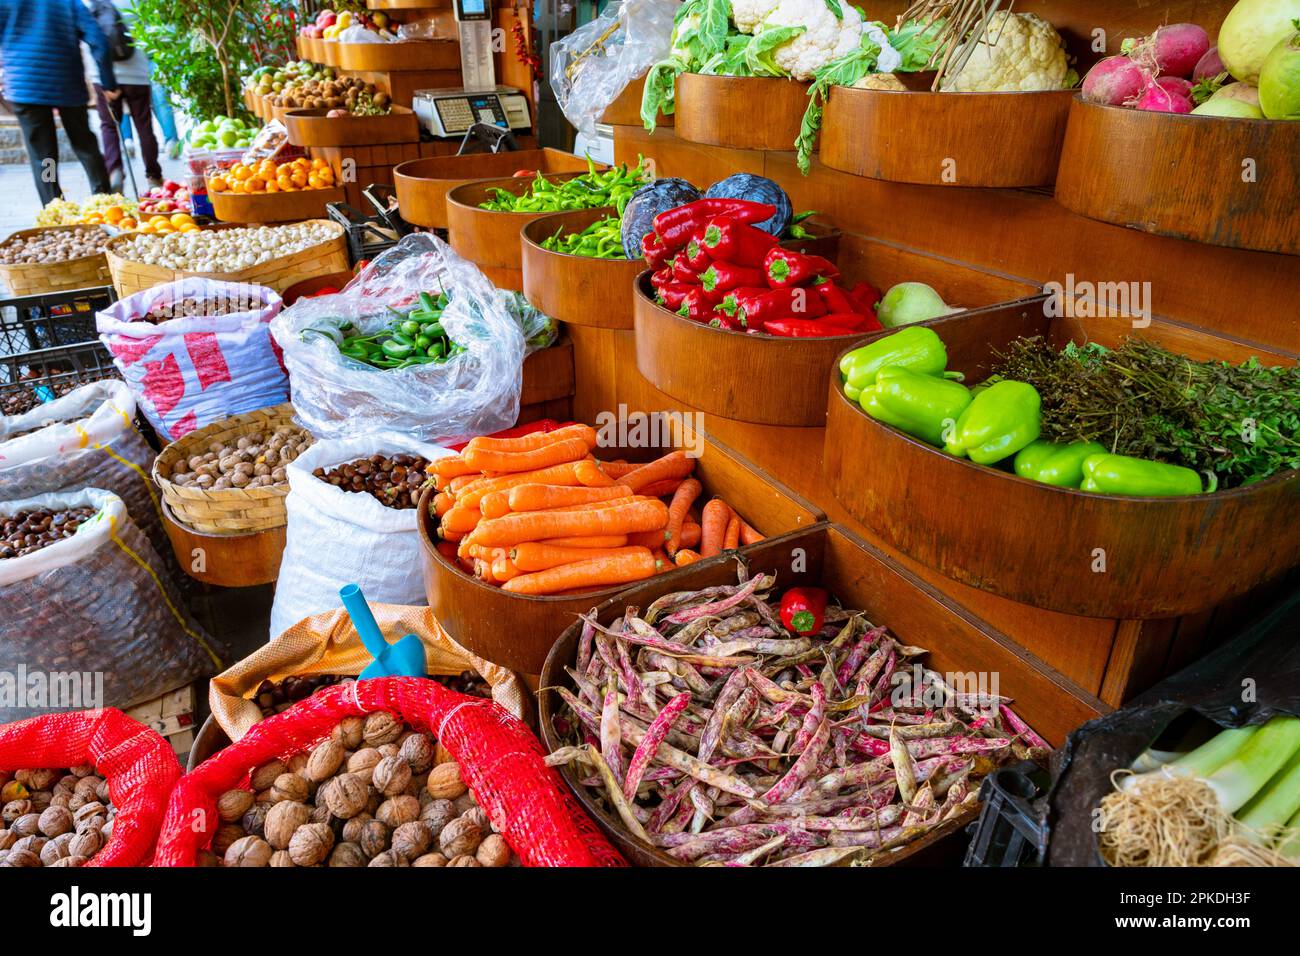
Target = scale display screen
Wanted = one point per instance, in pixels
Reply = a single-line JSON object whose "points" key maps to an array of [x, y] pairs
{"points": [[473, 10], [461, 112]]}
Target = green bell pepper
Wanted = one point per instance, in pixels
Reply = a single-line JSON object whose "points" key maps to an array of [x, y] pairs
{"points": [[1056, 464], [915, 347], [924, 406], [999, 422], [1124, 475]]}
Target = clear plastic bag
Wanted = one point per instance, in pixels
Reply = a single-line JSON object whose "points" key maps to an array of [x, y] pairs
{"points": [[472, 393], [624, 42]]}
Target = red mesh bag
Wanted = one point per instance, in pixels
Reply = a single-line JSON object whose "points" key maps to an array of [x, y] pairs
{"points": [[137, 763], [500, 760]]}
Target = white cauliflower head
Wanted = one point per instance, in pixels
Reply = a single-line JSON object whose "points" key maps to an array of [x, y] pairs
{"points": [[1018, 52], [748, 14], [825, 38], [688, 25]]}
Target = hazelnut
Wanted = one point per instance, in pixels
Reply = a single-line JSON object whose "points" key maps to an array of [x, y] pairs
{"points": [[389, 858], [459, 837], [417, 751], [395, 811], [412, 839], [264, 776], [374, 838], [346, 796], [381, 728], [445, 783], [391, 776], [310, 844], [430, 859], [347, 854], [324, 761], [283, 820], [249, 851], [289, 786], [493, 851], [233, 804]]}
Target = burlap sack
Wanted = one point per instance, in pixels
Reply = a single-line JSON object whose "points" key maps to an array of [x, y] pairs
{"points": [[328, 644]]}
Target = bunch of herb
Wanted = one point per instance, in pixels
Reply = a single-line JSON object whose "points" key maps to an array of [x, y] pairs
{"points": [[1240, 423]]}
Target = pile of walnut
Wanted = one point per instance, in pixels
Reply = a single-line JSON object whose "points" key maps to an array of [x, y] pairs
{"points": [[375, 793], [253, 461], [54, 817]]}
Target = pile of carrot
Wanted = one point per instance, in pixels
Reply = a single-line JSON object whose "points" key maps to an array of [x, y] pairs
{"points": [[538, 514]]}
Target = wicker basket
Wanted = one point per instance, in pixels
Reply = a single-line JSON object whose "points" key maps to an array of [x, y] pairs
{"points": [[34, 278], [130, 277], [231, 510]]}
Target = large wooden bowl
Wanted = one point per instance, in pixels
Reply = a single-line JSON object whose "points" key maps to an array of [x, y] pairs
{"points": [[945, 139], [490, 239], [314, 128], [275, 207], [740, 112], [579, 290], [915, 613], [422, 184], [401, 55], [1227, 182], [626, 108], [226, 560], [1043, 545], [517, 630]]}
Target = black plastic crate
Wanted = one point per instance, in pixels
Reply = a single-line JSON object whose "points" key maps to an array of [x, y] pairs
{"points": [[33, 378], [370, 236], [53, 319], [1007, 832]]}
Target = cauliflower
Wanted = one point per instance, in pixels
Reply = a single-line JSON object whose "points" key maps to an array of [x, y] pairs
{"points": [[682, 32], [1018, 52], [748, 14], [825, 37]]}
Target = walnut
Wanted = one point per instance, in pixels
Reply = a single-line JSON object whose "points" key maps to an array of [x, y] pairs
{"points": [[465, 802], [90, 814], [86, 843], [208, 858], [464, 860], [249, 851], [362, 763], [437, 815], [88, 787], [444, 782], [493, 851], [480, 818], [346, 796], [442, 755], [320, 813], [412, 839], [324, 761], [264, 776], [102, 792], [417, 750], [254, 821], [389, 858], [374, 838], [398, 810], [22, 858], [282, 820], [390, 749], [71, 861], [298, 763], [310, 844], [55, 850], [459, 837], [352, 828], [41, 779], [347, 854], [233, 804], [15, 809], [7, 839], [430, 859], [29, 824], [41, 801], [226, 834], [281, 858], [391, 776], [381, 728], [290, 786], [82, 770], [31, 844], [347, 733]]}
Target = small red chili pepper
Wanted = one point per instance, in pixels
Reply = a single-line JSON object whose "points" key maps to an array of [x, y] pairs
{"points": [[753, 307], [803, 610], [804, 328], [662, 277], [835, 299], [725, 276], [697, 304], [672, 295], [721, 321], [866, 296], [849, 321], [682, 270], [697, 257], [730, 241], [784, 267], [676, 226], [654, 252]]}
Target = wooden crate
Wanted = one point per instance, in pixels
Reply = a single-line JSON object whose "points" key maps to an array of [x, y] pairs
{"points": [[172, 716]]}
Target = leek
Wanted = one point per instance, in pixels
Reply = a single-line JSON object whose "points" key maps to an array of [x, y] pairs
{"points": [[1291, 846], [1277, 803], [1150, 760], [1255, 763], [1201, 762]]}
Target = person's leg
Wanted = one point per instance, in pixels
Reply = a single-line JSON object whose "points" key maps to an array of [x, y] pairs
{"points": [[162, 108], [40, 136], [110, 114], [77, 125], [138, 101]]}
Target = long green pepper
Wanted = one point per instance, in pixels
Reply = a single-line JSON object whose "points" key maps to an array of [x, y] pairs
{"points": [[592, 190], [601, 240]]}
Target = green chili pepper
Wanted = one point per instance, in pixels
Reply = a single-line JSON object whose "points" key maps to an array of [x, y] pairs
{"points": [[429, 302], [397, 349], [1123, 475], [999, 421]]}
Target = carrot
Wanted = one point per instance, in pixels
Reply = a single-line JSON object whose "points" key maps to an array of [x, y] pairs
{"points": [[590, 474], [542, 497], [572, 449], [713, 527], [453, 536], [686, 556], [460, 483], [461, 519], [485, 554], [447, 550], [495, 504], [691, 535], [649, 539], [540, 525], [466, 566], [731, 538], [661, 489], [483, 571], [672, 465], [589, 541], [442, 503], [747, 534], [555, 475], [503, 569], [594, 505], [661, 557], [536, 556], [617, 469], [599, 572], [449, 467], [683, 498], [535, 440]]}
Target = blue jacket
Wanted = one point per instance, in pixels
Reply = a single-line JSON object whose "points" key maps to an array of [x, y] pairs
{"points": [[40, 50]]}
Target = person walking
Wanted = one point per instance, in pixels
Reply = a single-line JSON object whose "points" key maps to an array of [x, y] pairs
{"points": [[131, 68], [40, 44]]}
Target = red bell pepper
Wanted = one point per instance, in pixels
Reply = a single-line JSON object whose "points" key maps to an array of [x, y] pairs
{"points": [[730, 241], [672, 295], [803, 610], [866, 296], [676, 226], [653, 251], [697, 257], [697, 304], [725, 276], [804, 328], [784, 267], [753, 307], [682, 270]]}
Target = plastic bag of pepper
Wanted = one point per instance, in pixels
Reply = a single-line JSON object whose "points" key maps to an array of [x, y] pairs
{"points": [[712, 265]]}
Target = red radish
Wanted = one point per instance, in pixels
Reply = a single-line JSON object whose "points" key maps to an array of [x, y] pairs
{"points": [[1174, 48], [1114, 81], [1176, 85], [1209, 65], [1156, 99]]}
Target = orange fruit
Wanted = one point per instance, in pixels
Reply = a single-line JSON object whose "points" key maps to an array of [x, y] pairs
{"points": [[114, 214], [256, 184], [272, 186], [159, 220], [189, 227], [127, 222], [218, 184], [299, 179], [180, 218]]}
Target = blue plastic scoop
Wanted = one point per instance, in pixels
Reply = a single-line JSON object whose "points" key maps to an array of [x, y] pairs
{"points": [[403, 659]]}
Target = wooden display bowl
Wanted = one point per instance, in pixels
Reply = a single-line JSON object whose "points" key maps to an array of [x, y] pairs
{"points": [[764, 379], [577, 289], [422, 184], [1036, 543], [313, 128], [37, 278], [274, 207], [517, 630], [408, 4], [227, 560], [740, 112], [490, 239], [945, 139], [626, 108], [327, 53], [306, 287], [864, 578], [1183, 176], [397, 56]]}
